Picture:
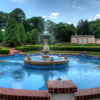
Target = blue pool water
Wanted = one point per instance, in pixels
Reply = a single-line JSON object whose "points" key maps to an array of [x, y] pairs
{"points": [[81, 70]]}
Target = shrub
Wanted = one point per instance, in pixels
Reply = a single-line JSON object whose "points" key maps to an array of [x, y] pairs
{"points": [[4, 51], [55, 48], [29, 48]]}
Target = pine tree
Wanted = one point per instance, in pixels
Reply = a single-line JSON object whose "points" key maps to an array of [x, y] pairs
{"points": [[35, 36], [12, 35], [28, 37], [22, 33]]}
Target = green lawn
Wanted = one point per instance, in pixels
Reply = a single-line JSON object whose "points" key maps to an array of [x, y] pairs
{"points": [[67, 52], [53, 52], [94, 53]]}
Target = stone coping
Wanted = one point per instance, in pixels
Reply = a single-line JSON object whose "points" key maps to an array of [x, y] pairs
{"points": [[37, 62], [20, 94], [87, 94], [61, 86]]}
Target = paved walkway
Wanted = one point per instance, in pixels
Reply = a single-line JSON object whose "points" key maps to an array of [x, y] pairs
{"points": [[13, 51]]}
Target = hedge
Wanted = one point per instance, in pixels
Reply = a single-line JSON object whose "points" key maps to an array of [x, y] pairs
{"points": [[55, 48], [4, 51]]}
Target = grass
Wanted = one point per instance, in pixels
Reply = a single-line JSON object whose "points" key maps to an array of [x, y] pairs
{"points": [[94, 53], [53, 52], [67, 52]]}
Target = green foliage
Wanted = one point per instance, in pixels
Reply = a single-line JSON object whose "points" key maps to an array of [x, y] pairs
{"points": [[1, 36], [83, 28], [57, 48], [95, 28], [35, 36], [63, 32], [3, 19], [18, 14], [29, 48], [34, 23], [28, 37], [22, 33], [4, 51], [12, 35]]}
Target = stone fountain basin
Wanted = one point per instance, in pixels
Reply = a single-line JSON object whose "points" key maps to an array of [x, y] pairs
{"points": [[37, 62]]}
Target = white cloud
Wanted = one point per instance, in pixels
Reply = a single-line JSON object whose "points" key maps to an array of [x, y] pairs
{"points": [[69, 22], [90, 19], [97, 16], [77, 7], [54, 15], [20, 1], [74, 7], [44, 17]]}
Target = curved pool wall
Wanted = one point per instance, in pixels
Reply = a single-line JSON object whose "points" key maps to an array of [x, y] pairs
{"points": [[52, 67], [81, 70]]}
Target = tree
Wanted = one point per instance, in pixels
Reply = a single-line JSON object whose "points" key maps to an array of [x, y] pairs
{"points": [[83, 28], [70, 30], [35, 36], [63, 32], [1, 36], [3, 19], [95, 28], [34, 23], [18, 14], [12, 35], [22, 33], [28, 37]]}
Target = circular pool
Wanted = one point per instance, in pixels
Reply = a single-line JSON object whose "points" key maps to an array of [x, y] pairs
{"points": [[83, 71]]}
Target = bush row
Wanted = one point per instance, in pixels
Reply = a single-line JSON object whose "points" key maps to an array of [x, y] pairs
{"points": [[55, 48], [4, 51]]}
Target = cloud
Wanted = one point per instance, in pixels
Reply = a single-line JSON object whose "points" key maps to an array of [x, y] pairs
{"points": [[93, 18], [69, 22], [20, 1], [54, 15], [97, 16], [77, 7], [44, 17], [90, 19], [74, 7]]}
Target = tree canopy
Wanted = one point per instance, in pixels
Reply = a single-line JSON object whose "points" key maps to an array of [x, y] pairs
{"points": [[34, 23], [3, 19], [18, 14], [12, 35]]}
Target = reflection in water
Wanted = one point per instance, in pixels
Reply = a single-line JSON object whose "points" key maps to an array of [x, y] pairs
{"points": [[46, 75], [18, 74]]}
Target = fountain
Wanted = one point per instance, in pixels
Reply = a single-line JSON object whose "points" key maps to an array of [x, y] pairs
{"points": [[45, 61]]}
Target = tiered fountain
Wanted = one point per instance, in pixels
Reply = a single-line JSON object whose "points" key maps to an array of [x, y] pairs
{"points": [[45, 61]]}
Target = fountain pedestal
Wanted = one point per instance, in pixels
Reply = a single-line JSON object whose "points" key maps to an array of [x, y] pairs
{"points": [[46, 49]]}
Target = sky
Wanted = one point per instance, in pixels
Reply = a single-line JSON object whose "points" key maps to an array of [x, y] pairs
{"points": [[67, 11]]}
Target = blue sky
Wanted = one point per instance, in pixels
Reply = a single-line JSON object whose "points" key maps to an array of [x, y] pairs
{"points": [[68, 11]]}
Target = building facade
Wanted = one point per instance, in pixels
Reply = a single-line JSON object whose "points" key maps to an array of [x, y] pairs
{"points": [[84, 39]]}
